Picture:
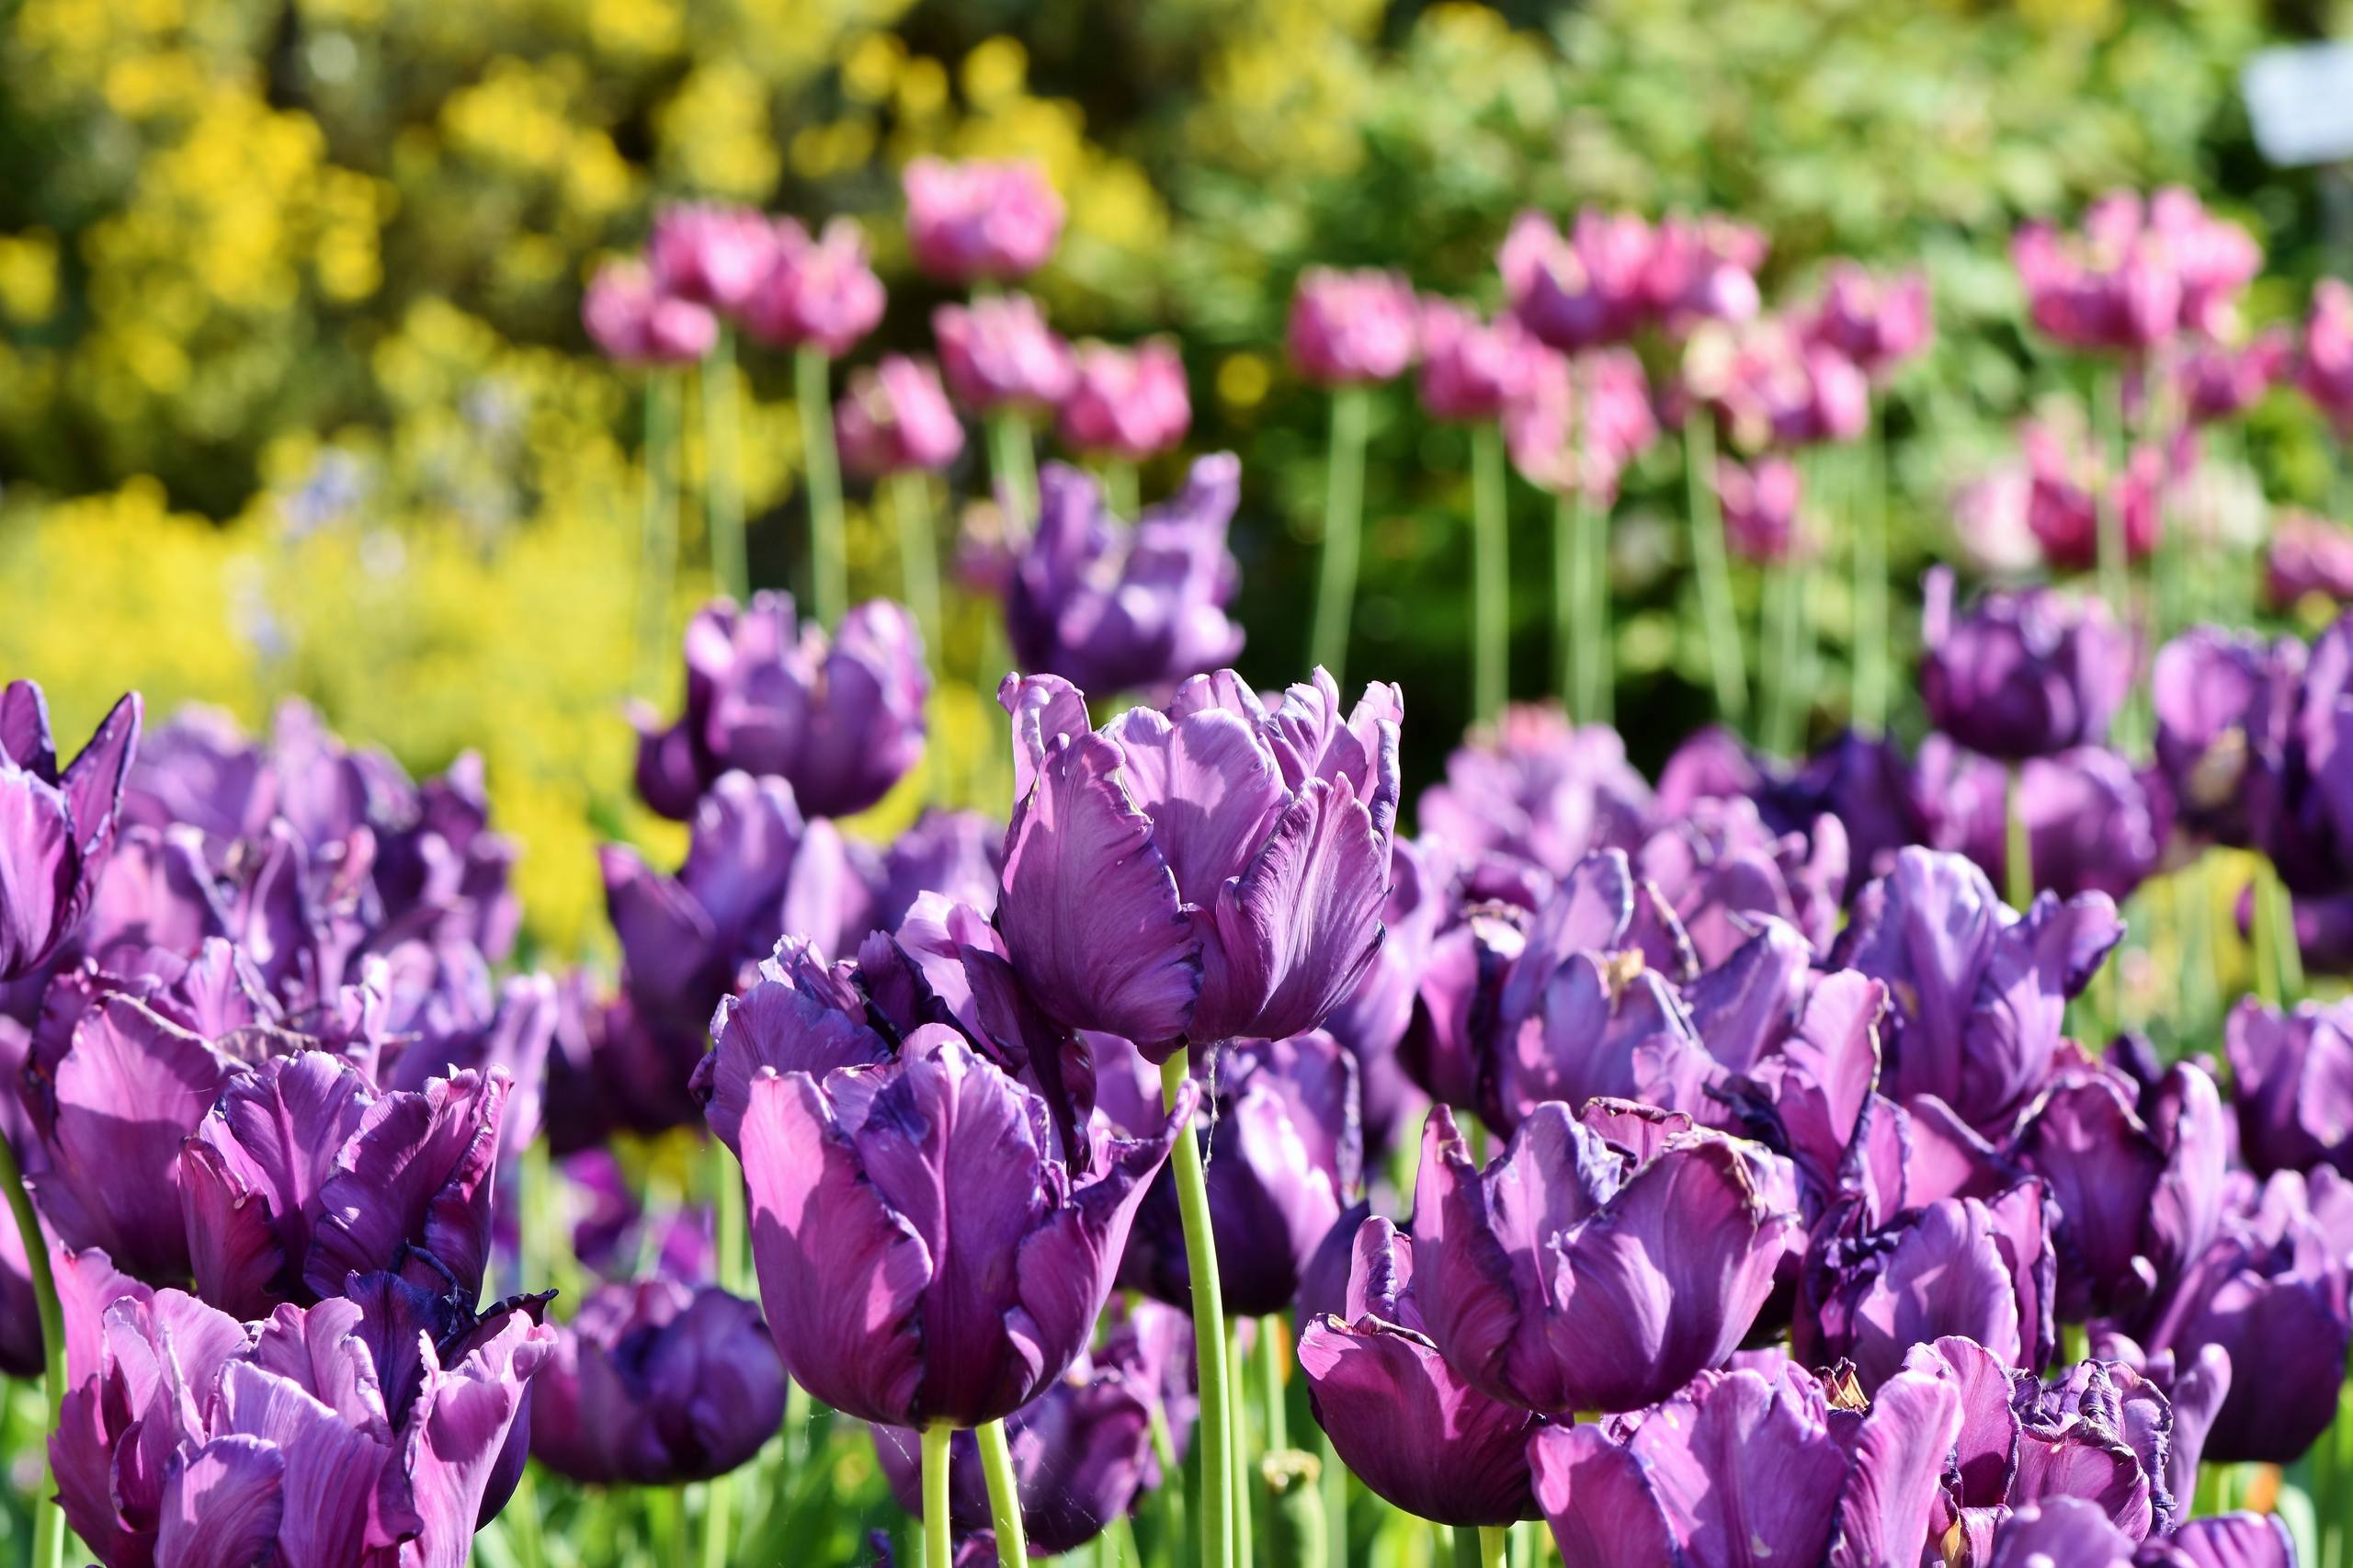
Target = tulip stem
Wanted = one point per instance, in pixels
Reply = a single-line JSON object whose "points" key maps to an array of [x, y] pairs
{"points": [[1779, 675], [1216, 1427], [1013, 464], [821, 468], [1274, 1344], [48, 1531], [1595, 685], [1004, 1495], [1871, 683], [1725, 662], [2278, 956], [722, 487], [1336, 589], [1490, 575], [1120, 489], [937, 1547], [727, 1220], [918, 551], [658, 523], [2019, 862]]}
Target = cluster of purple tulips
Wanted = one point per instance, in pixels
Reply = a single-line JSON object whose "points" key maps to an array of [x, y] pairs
{"points": [[1716, 1167]]}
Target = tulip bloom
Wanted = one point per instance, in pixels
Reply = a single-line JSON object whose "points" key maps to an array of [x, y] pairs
{"points": [[1398, 1417], [819, 291], [999, 353], [634, 322], [1751, 1466], [1877, 323], [1129, 404], [1349, 328], [887, 1300], [714, 256], [977, 220], [1114, 607], [840, 718], [56, 829], [1535, 787], [1761, 502], [1720, 868], [2292, 1084], [2219, 381], [1202, 872], [2024, 674], [1653, 1262], [1583, 290], [352, 1433], [1472, 370], [2069, 484], [2224, 704], [2325, 362], [897, 419], [654, 1383], [1574, 429]]}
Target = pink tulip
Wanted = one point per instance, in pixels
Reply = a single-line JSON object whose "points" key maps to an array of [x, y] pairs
{"points": [[817, 290], [1128, 402], [978, 221], [1351, 326]]}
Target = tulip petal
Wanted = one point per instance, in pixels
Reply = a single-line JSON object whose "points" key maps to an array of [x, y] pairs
{"points": [[222, 1504]]}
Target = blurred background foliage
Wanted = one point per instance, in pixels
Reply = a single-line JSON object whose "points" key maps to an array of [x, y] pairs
{"points": [[294, 399]]}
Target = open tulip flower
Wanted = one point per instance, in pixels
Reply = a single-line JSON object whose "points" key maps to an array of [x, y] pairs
{"points": [[978, 221], [2021, 675], [56, 828]]}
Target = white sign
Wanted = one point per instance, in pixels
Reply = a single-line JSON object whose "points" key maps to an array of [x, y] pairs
{"points": [[2301, 101]]}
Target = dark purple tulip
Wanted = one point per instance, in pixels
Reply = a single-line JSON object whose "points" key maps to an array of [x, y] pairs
{"points": [[1372, 1021], [1082, 1453], [654, 1383], [1128, 402], [798, 1016], [1539, 789], [2224, 704], [2272, 1290], [974, 220], [2137, 1199], [56, 828], [2058, 1532], [360, 1433], [1398, 1417], [302, 1173], [1115, 607], [2022, 673], [840, 718], [2291, 1083], [1980, 1270], [1211, 870], [1569, 1277], [887, 1300], [1285, 1157], [511, 1034], [1981, 991], [1747, 1467], [1446, 1048], [2094, 822], [609, 1070], [1351, 327], [958, 855], [2229, 1540], [998, 352]]}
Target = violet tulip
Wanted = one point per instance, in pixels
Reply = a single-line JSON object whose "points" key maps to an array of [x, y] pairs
{"points": [[976, 221], [634, 322], [712, 255], [819, 291], [1207, 871], [1398, 1417], [654, 1383], [887, 1300], [2292, 1084], [1127, 403], [2023, 673], [1653, 1263], [998, 353], [840, 718], [1535, 787], [1348, 328], [57, 828], [1112, 606], [896, 419], [2224, 704]]}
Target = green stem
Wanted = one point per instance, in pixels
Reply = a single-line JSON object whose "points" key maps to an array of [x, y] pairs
{"points": [[1477, 1547], [821, 467], [658, 523], [1871, 661], [49, 1527], [2286, 952], [1490, 575], [1779, 675], [722, 475], [1119, 488], [1336, 590], [1170, 1494], [1725, 662], [1004, 1495], [2019, 862], [1568, 603], [718, 1521], [2115, 571], [1237, 1448], [1333, 1484], [729, 1238], [1271, 1366], [919, 552], [1215, 1427], [937, 1549], [1013, 464], [1601, 665]]}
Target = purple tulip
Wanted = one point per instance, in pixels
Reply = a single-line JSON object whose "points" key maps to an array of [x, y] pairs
{"points": [[56, 829], [712, 254], [998, 352], [1539, 789], [896, 417], [1472, 369], [88, 1283], [2226, 705], [1721, 870], [976, 221], [1082, 1452], [1878, 322], [1398, 1417], [1746, 1467], [632, 321], [1285, 1157], [1572, 1274], [1981, 991], [357, 1433], [1371, 1022], [1127, 403], [654, 1383], [1351, 327], [1576, 427], [1583, 290], [888, 1301], [819, 291], [2095, 824], [1762, 505], [958, 855], [1118, 608], [2058, 1532], [302, 1173], [841, 718], [1447, 1048], [1204, 872], [2292, 1078], [1976, 1269], [2021, 673]]}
